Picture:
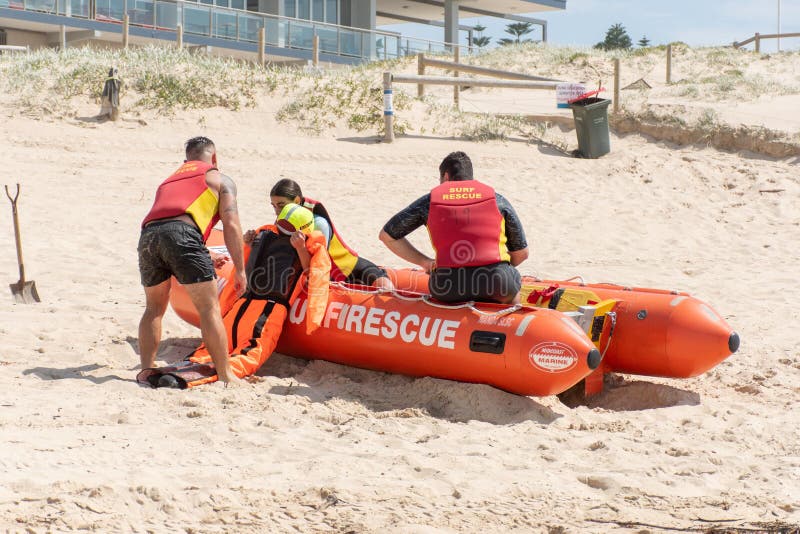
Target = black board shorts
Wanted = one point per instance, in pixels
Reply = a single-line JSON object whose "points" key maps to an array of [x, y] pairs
{"points": [[498, 282], [365, 273], [176, 248]]}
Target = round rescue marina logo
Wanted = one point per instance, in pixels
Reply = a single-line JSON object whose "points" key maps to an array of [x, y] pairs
{"points": [[553, 357]]}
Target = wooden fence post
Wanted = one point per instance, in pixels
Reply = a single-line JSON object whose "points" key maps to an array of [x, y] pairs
{"points": [[315, 51], [179, 35], [669, 63], [125, 23], [420, 72], [616, 85], [758, 43], [456, 88], [388, 110], [62, 37], [262, 37]]}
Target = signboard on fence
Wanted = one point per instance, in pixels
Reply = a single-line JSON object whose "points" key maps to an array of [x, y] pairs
{"points": [[567, 91]]}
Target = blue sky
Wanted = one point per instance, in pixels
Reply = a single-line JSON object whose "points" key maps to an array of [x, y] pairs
{"points": [[696, 22]]}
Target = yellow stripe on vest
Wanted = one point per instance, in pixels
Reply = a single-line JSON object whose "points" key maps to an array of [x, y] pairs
{"points": [[203, 209], [345, 261], [504, 255]]}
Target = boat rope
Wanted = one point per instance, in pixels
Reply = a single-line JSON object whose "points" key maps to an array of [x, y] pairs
{"points": [[613, 316], [461, 305], [411, 296], [361, 289], [498, 313], [471, 306]]}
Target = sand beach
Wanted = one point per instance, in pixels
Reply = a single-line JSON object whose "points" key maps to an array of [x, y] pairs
{"points": [[311, 446]]}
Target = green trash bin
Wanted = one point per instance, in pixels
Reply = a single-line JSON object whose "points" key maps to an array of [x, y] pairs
{"points": [[591, 124]]}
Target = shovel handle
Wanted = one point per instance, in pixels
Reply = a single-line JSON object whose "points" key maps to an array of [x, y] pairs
{"points": [[14, 198], [17, 237]]}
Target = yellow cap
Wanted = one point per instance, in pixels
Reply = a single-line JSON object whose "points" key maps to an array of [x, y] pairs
{"points": [[294, 217]]}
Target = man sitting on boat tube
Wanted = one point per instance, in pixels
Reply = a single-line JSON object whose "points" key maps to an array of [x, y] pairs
{"points": [[476, 236]]}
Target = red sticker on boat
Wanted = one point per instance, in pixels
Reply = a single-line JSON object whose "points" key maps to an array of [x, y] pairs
{"points": [[553, 357]]}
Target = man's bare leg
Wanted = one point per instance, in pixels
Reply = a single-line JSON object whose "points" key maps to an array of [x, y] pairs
{"points": [[156, 299], [204, 297]]}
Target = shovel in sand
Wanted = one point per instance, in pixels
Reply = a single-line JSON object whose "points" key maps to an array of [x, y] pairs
{"points": [[24, 292]]}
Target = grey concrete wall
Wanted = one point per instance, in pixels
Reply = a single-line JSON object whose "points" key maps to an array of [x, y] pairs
{"points": [[273, 7], [451, 21], [359, 13]]}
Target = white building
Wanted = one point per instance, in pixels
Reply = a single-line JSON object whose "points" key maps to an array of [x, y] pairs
{"points": [[348, 30]]}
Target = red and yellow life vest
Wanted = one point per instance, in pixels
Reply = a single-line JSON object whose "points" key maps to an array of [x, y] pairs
{"points": [[343, 258], [466, 226], [186, 192]]}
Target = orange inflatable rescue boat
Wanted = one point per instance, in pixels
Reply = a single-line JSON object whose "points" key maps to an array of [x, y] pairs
{"points": [[528, 351], [567, 331]]}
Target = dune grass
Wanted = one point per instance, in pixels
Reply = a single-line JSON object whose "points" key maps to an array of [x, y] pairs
{"points": [[157, 78], [353, 97], [167, 80]]}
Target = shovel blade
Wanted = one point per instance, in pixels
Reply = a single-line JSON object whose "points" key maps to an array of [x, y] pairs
{"points": [[25, 292]]}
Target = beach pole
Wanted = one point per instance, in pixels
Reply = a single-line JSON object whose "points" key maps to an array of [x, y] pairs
{"points": [[616, 85], [62, 37], [758, 43], [125, 22], [669, 63], [456, 88], [388, 111], [262, 38], [420, 72], [315, 51], [179, 35]]}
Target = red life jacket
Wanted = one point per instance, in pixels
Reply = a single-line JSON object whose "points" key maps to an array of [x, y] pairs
{"points": [[466, 226], [186, 192], [343, 258]]}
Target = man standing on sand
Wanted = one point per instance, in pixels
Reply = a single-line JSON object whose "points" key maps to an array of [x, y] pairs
{"points": [[187, 206], [476, 235]]}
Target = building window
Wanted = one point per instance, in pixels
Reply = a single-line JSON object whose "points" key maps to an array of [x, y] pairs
{"points": [[318, 10], [304, 9], [332, 11]]}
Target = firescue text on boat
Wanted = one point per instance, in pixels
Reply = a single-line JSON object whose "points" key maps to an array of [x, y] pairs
{"points": [[378, 322]]}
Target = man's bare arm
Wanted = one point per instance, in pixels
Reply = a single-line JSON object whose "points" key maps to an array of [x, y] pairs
{"points": [[403, 248], [231, 226], [518, 256]]}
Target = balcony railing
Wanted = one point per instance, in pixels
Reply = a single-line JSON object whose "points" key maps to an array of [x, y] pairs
{"points": [[199, 18]]}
